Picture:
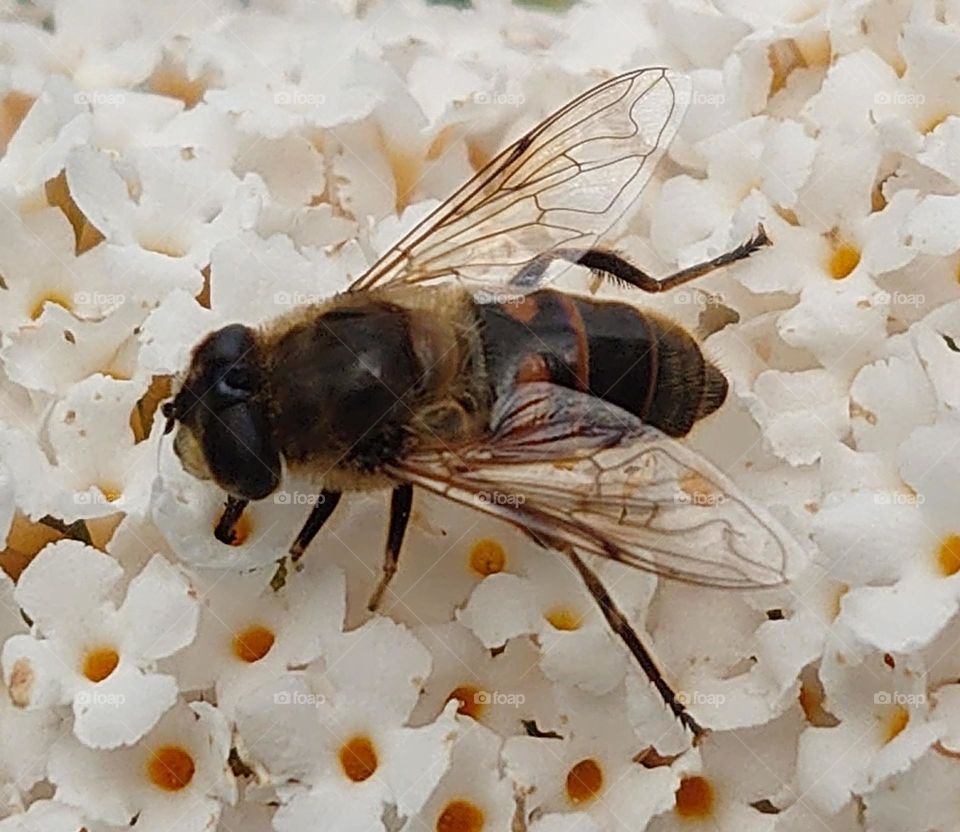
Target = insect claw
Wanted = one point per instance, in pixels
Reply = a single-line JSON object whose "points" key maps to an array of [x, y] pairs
{"points": [[761, 238]]}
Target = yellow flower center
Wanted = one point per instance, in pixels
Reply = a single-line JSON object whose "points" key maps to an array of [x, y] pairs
{"points": [[948, 555], [57, 298], [895, 723], [487, 557], [563, 618], [844, 260]]}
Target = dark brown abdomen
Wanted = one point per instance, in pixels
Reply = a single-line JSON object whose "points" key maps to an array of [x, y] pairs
{"points": [[635, 360]]}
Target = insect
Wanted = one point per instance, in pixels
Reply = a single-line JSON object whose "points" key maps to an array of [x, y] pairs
{"points": [[451, 366]]}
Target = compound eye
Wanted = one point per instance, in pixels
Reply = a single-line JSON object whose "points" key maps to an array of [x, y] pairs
{"points": [[240, 452]]}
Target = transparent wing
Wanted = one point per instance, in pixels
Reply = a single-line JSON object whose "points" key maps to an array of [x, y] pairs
{"points": [[572, 468], [562, 184]]}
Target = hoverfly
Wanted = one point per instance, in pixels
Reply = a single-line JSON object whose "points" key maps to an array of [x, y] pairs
{"points": [[425, 374]]}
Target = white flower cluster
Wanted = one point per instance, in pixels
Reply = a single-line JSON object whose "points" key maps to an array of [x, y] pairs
{"points": [[169, 167]]}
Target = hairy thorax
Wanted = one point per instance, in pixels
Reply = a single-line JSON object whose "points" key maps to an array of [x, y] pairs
{"points": [[361, 381]]}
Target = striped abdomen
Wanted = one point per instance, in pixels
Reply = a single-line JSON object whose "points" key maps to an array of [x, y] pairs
{"points": [[635, 360]]}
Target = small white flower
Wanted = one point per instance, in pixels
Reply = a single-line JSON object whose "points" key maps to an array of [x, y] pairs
{"points": [[91, 654], [27, 734], [592, 768], [176, 776], [54, 125], [337, 745], [884, 725], [248, 634], [552, 605], [712, 794], [474, 793], [157, 199], [901, 561], [506, 692]]}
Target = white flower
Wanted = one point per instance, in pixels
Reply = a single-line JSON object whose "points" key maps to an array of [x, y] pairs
{"points": [[53, 126], [176, 776], [884, 724], [575, 641], [474, 793], [505, 692], [165, 203], [248, 634], [592, 767], [91, 654], [899, 547], [27, 734], [166, 169], [714, 795], [337, 745]]}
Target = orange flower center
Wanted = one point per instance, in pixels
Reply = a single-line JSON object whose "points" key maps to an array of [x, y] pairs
{"points": [[253, 643], [358, 758], [460, 816], [470, 699], [99, 663], [694, 798], [170, 768], [948, 555], [584, 781]]}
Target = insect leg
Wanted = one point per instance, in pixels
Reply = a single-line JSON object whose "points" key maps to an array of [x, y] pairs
{"points": [[401, 501], [224, 532], [319, 515], [609, 264], [621, 626]]}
